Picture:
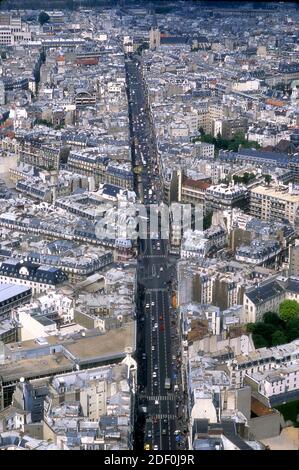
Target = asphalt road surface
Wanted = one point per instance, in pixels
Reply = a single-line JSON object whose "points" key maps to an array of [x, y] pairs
{"points": [[154, 355]]}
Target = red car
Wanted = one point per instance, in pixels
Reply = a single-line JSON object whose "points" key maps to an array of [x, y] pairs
{"points": [[161, 327]]}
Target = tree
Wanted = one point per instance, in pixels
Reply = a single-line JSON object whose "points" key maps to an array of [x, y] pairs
{"points": [[43, 18], [288, 310], [278, 337], [273, 318], [265, 330], [250, 327], [292, 329], [246, 177], [268, 179], [259, 341], [207, 220]]}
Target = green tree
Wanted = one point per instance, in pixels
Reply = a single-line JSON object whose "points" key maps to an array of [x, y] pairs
{"points": [[43, 18], [237, 179], [265, 330], [207, 220], [278, 337], [268, 179], [246, 178], [273, 318], [259, 341], [288, 310], [292, 329], [250, 327]]}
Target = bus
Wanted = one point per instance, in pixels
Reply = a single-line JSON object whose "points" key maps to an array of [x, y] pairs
{"points": [[167, 385]]}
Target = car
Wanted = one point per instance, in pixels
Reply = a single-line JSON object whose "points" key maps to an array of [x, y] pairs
{"points": [[153, 348], [176, 432], [154, 375], [164, 431], [153, 303], [161, 268], [155, 384], [156, 402], [156, 325], [156, 366], [161, 317], [162, 328], [149, 434], [156, 447], [147, 306], [147, 447]]}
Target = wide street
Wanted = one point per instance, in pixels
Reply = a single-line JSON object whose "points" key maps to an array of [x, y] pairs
{"points": [[156, 362]]}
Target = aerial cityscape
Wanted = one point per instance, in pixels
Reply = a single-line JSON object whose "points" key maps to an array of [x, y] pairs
{"points": [[149, 226]]}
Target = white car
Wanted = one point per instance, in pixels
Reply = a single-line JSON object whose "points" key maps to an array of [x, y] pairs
{"points": [[153, 303], [153, 348], [147, 306], [156, 402], [156, 447], [154, 375], [161, 268], [156, 325]]}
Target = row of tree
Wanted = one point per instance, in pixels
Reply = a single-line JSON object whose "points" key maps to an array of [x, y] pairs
{"points": [[227, 144], [245, 179], [276, 328]]}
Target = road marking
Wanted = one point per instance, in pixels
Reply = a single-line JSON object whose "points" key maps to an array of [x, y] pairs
{"points": [[155, 289], [169, 397], [163, 416]]}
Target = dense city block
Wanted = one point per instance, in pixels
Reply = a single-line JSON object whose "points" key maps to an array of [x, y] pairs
{"points": [[149, 226]]}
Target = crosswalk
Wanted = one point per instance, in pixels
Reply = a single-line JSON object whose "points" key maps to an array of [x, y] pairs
{"points": [[154, 256], [170, 396], [157, 417], [156, 289]]}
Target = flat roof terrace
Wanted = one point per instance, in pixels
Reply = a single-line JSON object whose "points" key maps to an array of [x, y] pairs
{"points": [[88, 347], [35, 367]]}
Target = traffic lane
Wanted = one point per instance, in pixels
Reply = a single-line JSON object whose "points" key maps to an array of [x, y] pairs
{"points": [[148, 344], [162, 342], [155, 371], [167, 328]]}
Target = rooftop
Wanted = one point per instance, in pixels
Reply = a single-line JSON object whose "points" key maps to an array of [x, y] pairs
{"points": [[7, 291], [263, 293], [34, 367]]}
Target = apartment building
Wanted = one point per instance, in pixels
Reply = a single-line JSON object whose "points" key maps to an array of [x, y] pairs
{"points": [[193, 191], [40, 279], [204, 150], [6, 36], [222, 197], [273, 203], [267, 297], [275, 387], [261, 360], [12, 296], [294, 260]]}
